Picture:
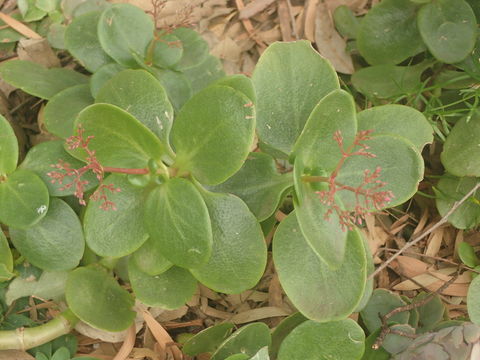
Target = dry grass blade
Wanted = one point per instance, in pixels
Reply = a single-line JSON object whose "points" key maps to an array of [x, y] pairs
{"points": [[161, 335], [19, 27], [127, 345]]}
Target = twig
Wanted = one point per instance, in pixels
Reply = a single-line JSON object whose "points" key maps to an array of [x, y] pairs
{"points": [[424, 234], [387, 330], [19, 27]]}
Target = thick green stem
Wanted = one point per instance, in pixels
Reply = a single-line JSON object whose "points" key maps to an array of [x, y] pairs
{"points": [[27, 338]]}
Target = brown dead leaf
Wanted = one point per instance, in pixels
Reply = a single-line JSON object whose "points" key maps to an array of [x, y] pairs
{"points": [[127, 345], [254, 7], [258, 314], [329, 42], [409, 266], [434, 242], [37, 51], [284, 19], [15, 355], [309, 19], [227, 49]]}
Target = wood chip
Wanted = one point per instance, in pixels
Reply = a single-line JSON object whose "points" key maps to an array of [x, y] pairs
{"points": [[254, 8], [19, 26]]}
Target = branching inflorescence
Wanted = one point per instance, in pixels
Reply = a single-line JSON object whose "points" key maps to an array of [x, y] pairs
{"points": [[66, 171], [367, 194]]}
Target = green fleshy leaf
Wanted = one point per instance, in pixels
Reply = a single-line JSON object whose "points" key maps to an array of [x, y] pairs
{"points": [[213, 133], [23, 199], [381, 303], [388, 81], [141, 95], [38, 81], [397, 120], [247, 340], [205, 73], [125, 31], [335, 112], [102, 75], [6, 259], [169, 290], [374, 354], [290, 79], [121, 232], [394, 343], [85, 6], [346, 22], [207, 340], [56, 36], [50, 285], [470, 64], [450, 189], [258, 184], [316, 290], [195, 49], [177, 85], [81, 40], [282, 331], [467, 255], [30, 12], [61, 111], [326, 238], [461, 153], [177, 218], [388, 34], [336, 340], [149, 258], [56, 242], [97, 299], [430, 314], [40, 159], [119, 140], [473, 300], [168, 51], [240, 83], [239, 253], [448, 28], [401, 168], [8, 148]]}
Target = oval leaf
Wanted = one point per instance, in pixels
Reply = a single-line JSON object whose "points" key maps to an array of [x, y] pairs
{"points": [[54, 243], [38, 81], [177, 218], [213, 133], [125, 31], [81, 40], [335, 340], [388, 34], [97, 299], [8, 148], [282, 76], [401, 169], [381, 303], [149, 258], [316, 290], [282, 331], [120, 232], [61, 111], [239, 252], [6, 259], [449, 29], [397, 120], [473, 300], [195, 48], [102, 75], [40, 159], [451, 189], [168, 51], [119, 140], [258, 184], [23, 199], [248, 340], [169, 290], [461, 153], [335, 112], [140, 94], [207, 340], [205, 73], [326, 237]]}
